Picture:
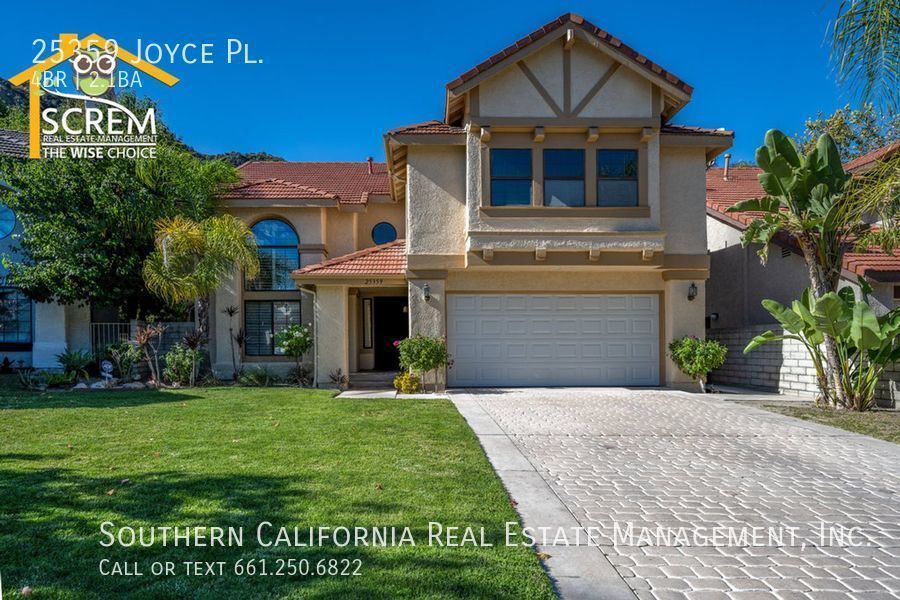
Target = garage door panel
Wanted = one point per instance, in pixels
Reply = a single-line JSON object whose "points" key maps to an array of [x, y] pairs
{"points": [[517, 339]]}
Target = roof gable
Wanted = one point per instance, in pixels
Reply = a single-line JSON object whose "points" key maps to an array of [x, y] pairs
{"points": [[386, 259], [569, 26]]}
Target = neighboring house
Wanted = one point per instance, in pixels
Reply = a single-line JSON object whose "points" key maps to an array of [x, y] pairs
{"points": [[739, 282], [551, 227], [32, 333]]}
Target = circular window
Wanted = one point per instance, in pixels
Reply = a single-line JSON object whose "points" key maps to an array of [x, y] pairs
{"points": [[7, 221], [383, 233]]}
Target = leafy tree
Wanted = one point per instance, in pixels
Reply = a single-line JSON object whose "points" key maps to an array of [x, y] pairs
{"points": [[865, 49], [423, 354], [13, 117], [856, 131], [88, 225], [193, 258]]}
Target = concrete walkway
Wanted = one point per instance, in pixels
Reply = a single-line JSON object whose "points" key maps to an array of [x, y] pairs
{"points": [[691, 497]]}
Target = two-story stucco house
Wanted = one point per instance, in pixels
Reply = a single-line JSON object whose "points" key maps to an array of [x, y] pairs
{"points": [[551, 227]]}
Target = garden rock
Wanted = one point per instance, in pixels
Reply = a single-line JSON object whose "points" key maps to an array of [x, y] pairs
{"points": [[134, 385], [80, 386]]}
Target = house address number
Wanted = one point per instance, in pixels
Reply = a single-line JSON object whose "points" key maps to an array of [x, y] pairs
{"points": [[374, 281]]}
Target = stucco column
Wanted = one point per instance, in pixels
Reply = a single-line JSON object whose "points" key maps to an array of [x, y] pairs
{"points": [[428, 317], [683, 317], [332, 334], [227, 295], [49, 334]]}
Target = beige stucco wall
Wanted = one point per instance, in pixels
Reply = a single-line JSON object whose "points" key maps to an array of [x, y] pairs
{"points": [[510, 94], [376, 212], [682, 317], [683, 199], [332, 335], [436, 191]]}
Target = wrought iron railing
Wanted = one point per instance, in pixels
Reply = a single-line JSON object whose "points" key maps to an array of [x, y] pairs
{"points": [[106, 334]]}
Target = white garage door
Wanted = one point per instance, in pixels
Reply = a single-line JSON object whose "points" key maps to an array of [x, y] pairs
{"points": [[547, 340]]}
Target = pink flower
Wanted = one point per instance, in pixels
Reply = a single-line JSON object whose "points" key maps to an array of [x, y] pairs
{"points": [[396, 343]]}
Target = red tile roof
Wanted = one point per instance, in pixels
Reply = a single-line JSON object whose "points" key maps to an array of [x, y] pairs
{"points": [[428, 128], [13, 143], [742, 184], [386, 259], [651, 67], [345, 182], [275, 189], [692, 130], [875, 155]]}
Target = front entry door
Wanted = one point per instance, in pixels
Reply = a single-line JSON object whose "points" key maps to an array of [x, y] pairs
{"points": [[391, 324]]}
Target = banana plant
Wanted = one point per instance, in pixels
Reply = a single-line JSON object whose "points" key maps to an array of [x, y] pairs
{"points": [[799, 325], [805, 200], [864, 342]]}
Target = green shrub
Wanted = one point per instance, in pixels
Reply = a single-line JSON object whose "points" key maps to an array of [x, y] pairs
{"points": [[60, 379], [32, 380], [75, 361], [407, 383], [422, 354], [260, 377], [126, 356], [181, 363], [696, 358]]}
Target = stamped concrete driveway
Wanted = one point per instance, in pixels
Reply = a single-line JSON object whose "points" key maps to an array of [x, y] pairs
{"points": [[683, 471]]}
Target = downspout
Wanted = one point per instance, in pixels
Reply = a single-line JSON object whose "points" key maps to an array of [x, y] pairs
{"points": [[316, 335]]}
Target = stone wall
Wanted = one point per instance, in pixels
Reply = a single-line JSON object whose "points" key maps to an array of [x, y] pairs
{"points": [[783, 367]]}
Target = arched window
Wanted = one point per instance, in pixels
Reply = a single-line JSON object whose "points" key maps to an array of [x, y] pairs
{"points": [[384, 233], [7, 221], [278, 255]]}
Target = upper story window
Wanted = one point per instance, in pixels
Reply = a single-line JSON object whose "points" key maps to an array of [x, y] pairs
{"points": [[278, 255], [563, 177], [384, 233], [617, 178], [510, 177]]}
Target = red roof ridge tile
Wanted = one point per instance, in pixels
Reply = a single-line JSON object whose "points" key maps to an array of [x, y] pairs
{"points": [[305, 188]]}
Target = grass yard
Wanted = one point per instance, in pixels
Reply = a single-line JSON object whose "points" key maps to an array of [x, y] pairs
{"points": [[881, 424], [235, 457]]}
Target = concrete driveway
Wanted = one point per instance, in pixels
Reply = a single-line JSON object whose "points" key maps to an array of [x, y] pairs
{"points": [[684, 496]]}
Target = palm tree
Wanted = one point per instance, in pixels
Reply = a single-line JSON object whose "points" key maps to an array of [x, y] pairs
{"points": [[865, 47], [192, 259]]}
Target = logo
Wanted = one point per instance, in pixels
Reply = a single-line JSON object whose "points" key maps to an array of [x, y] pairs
{"points": [[85, 119]]}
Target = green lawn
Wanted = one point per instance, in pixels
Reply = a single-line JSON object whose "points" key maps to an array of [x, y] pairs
{"points": [[235, 457], [881, 424]]}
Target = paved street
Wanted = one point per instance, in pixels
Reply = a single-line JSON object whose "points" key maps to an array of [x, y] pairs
{"points": [[684, 471]]}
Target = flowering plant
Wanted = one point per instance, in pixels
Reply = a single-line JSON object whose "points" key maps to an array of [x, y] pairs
{"points": [[294, 341]]}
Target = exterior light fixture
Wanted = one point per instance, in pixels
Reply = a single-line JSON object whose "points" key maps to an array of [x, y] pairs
{"points": [[692, 292], [426, 292]]}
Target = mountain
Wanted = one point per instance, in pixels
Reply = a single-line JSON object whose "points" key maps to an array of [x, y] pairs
{"points": [[239, 158]]}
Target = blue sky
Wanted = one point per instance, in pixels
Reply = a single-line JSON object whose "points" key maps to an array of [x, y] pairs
{"points": [[337, 75]]}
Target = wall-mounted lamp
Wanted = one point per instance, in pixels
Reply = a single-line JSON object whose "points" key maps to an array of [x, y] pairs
{"points": [[692, 292], [426, 292], [714, 317]]}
